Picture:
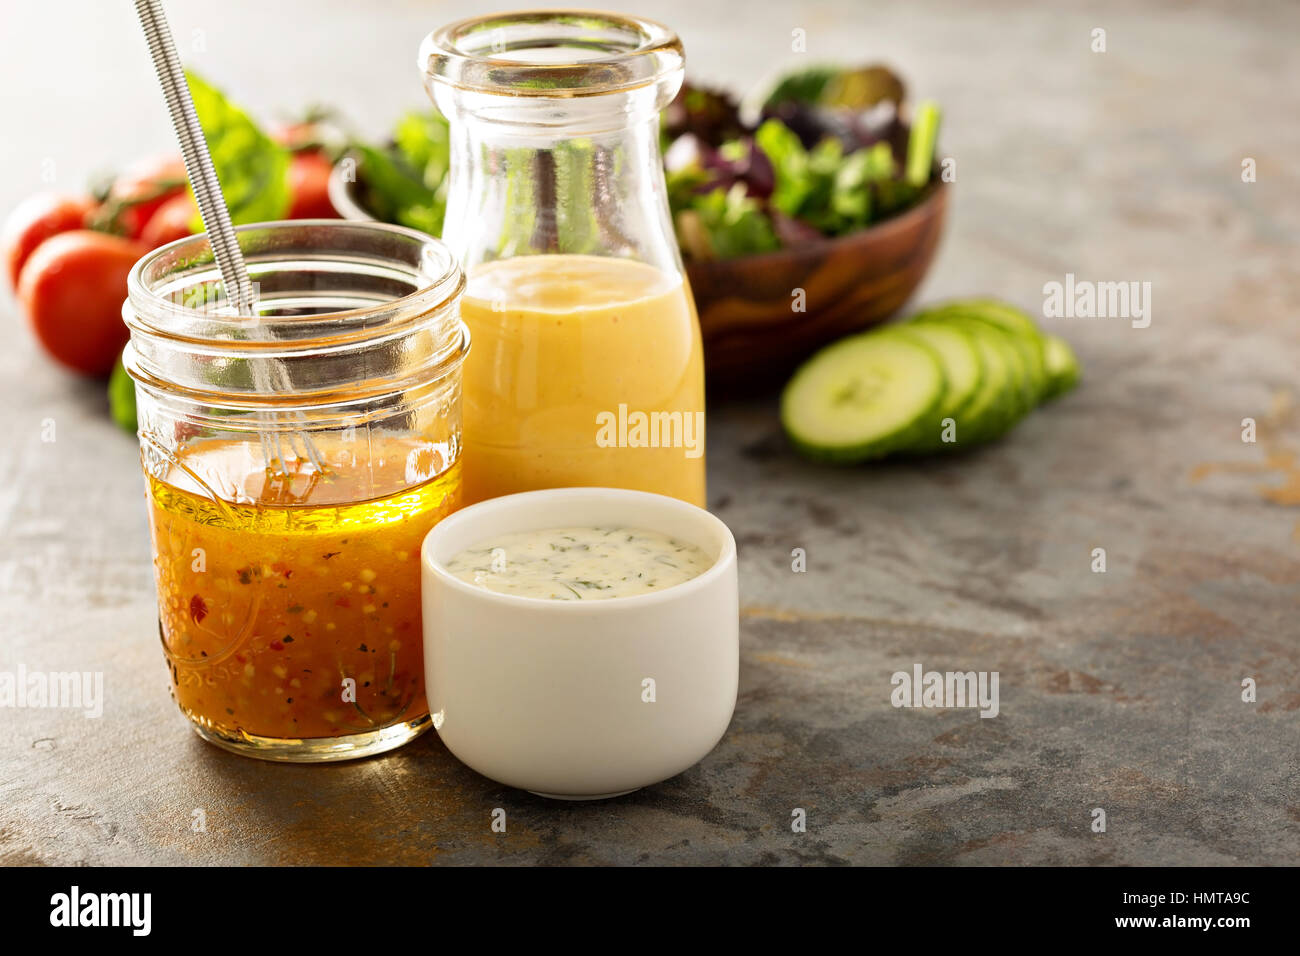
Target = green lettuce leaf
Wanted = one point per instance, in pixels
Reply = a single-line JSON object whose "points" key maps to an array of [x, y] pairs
{"points": [[726, 223], [251, 167], [121, 398], [791, 164], [394, 190], [423, 139]]}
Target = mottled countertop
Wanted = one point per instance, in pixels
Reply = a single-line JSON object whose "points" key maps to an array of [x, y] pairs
{"points": [[1119, 690]]}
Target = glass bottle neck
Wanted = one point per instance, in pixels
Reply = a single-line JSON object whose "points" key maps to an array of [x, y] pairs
{"points": [[589, 182]]}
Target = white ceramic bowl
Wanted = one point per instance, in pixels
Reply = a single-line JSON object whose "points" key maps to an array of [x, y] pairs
{"points": [[549, 696]]}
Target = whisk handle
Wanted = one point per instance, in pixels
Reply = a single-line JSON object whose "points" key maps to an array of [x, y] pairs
{"points": [[198, 161]]}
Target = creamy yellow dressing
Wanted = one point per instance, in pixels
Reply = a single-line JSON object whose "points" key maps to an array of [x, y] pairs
{"points": [[579, 564], [561, 342]]}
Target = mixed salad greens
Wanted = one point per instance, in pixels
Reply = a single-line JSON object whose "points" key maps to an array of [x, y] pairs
{"points": [[405, 181], [829, 152]]}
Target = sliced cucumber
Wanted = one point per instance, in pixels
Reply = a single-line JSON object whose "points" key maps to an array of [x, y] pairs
{"points": [[1006, 316], [997, 406], [1024, 334], [963, 372], [1024, 392], [863, 397], [1001, 399], [1027, 364], [1022, 330], [1062, 366], [960, 360], [983, 364]]}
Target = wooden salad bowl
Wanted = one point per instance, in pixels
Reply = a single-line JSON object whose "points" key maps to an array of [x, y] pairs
{"points": [[753, 337]]}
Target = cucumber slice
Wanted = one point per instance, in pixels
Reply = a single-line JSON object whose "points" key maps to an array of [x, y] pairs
{"points": [[958, 356], [1023, 395], [1005, 316], [963, 372], [1027, 340], [1000, 401], [863, 397], [1024, 362], [1062, 366], [1022, 330], [996, 406], [1027, 364]]}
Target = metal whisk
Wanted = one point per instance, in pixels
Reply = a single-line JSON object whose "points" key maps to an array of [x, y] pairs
{"points": [[268, 375]]}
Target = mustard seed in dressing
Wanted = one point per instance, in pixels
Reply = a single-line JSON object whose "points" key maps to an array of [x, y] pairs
{"points": [[579, 564]]}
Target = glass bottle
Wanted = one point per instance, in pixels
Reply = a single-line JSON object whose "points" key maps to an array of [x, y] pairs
{"points": [[587, 366], [287, 522]]}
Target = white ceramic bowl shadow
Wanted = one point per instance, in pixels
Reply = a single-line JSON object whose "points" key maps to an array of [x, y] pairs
{"points": [[550, 696]]}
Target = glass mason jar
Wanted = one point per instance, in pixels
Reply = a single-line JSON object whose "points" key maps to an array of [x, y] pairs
{"points": [[294, 460], [587, 366]]}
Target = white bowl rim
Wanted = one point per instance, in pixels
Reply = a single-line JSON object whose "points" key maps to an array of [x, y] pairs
{"points": [[726, 556]]}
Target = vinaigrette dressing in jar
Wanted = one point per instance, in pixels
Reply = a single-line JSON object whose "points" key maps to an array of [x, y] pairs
{"points": [[289, 594], [326, 592]]}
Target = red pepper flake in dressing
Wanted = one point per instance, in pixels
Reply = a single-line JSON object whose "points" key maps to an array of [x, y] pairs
{"points": [[198, 609]]}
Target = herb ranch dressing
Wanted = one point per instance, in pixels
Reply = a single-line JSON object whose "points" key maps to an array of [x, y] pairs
{"points": [[579, 564]]}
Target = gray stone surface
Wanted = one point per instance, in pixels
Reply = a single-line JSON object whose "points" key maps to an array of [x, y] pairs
{"points": [[1118, 690]]}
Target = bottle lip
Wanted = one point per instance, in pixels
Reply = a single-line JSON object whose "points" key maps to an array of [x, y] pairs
{"points": [[551, 53]]}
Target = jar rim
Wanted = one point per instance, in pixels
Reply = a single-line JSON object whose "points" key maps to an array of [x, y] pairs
{"points": [[348, 311], [440, 277], [471, 54]]}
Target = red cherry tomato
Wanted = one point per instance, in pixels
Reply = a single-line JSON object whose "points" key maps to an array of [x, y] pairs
{"points": [[309, 177], [72, 288], [173, 220], [35, 220], [139, 193]]}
